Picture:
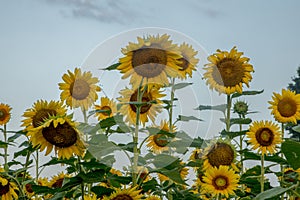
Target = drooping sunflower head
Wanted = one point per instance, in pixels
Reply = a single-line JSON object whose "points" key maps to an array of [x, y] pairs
{"points": [[152, 60], [286, 106], [79, 89], [60, 133], [4, 113], [42, 111], [125, 194], [264, 136], [106, 109], [8, 189], [152, 104], [227, 71], [158, 143], [220, 180], [219, 153], [188, 61]]}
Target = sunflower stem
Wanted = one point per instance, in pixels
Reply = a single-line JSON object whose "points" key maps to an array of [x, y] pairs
{"points": [[281, 154], [262, 173], [228, 113], [37, 166], [171, 106], [5, 149]]}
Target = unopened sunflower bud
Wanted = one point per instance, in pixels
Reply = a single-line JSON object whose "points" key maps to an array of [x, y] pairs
{"points": [[241, 108]]}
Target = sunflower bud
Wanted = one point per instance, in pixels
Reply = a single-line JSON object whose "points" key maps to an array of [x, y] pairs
{"points": [[241, 108]]}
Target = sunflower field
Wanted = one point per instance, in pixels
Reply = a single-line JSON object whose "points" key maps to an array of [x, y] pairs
{"points": [[160, 160]]}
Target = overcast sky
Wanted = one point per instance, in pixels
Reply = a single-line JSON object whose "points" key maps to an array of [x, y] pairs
{"points": [[41, 39]]}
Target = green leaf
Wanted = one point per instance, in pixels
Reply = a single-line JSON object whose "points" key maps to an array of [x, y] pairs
{"points": [[197, 142], [166, 161], [296, 128], [92, 176], [88, 129], [235, 95], [101, 191], [221, 107], [173, 175], [128, 147], [238, 121], [272, 192], [42, 189], [15, 136], [291, 150], [112, 67], [55, 161], [233, 134], [3, 144], [181, 85], [187, 118], [94, 164], [274, 158]]}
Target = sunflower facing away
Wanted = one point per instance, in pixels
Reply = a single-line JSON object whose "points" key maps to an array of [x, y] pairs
{"points": [[79, 89], [4, 113], [221, 181], [7, 188], [125, 194], [106, 109], [40, 112], [158, 143], [60, 133], [227, 71], [147, 111], [264, 136], [219, 153], [153, 59], [188, 61], [286, 106]]}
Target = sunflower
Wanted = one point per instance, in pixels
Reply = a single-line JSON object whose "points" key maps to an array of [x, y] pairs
{"points": [[79, 89], [188, 61], [219, 153], [91, 196], [106, 109], [286, 106], [149, 110], [158, 143], [220, 180], [151, 60], [57, 180], [264, 136], [7, 188], [153, 197], [4, 113], [125, 194], [41, 111], [60, 133], [227, 71]]}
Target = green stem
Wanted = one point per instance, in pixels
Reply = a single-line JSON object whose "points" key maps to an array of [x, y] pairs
{"points": [[37, 166], [172, 103], [262, 173], [281, 166], [5, 149], [228, 113]]}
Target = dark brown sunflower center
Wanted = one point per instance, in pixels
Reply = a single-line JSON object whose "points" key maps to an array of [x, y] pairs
{"points": [[123, 197], [58, 183], [4, 189], [79, 89], [149, 62], [221, 154], [28, 188], [41, 115], [107, 110], [287, 107], [264, 136], [62, 136], [145, 98], [220, 182], [228, 72], [160, 140], [184, 64], [2, 114]]}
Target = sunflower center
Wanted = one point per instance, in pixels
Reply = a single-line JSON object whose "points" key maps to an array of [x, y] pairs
{"points": [[4, 189], [287, 107], [220, 182], [228, 72], [40, 117], [58, 183], [28, 188], [221, 154], [264, 136], [62, 136], [123, 197], [79, 89], [107, 110], [149, 62], [145, 98], [160, 140], [184, 64], [2, 114]]}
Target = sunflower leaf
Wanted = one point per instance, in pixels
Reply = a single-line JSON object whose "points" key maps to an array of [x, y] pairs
{"points": [[3, 144], [187, 118], [181, 85], [238, 121], [235, 95], [272, 192], [221, 107], [197, 142], [112, 67], [100, 190], [233, 134], [291, 150], [274, 158]]}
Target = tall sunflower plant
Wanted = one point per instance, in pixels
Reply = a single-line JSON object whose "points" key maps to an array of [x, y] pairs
{"points": [[157, 160]]}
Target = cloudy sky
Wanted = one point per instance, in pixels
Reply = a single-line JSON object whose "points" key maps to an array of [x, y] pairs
{"points": [[41, 39]]}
